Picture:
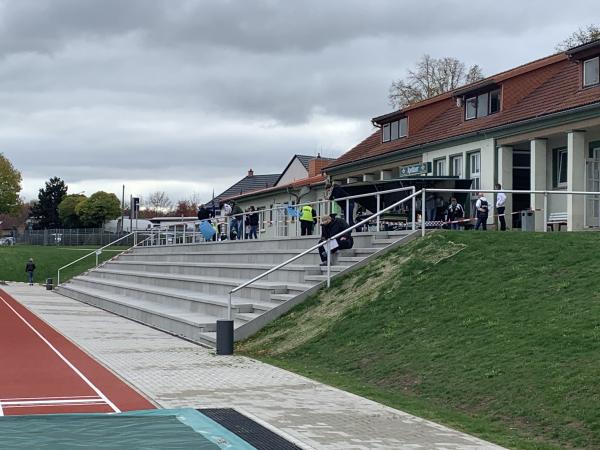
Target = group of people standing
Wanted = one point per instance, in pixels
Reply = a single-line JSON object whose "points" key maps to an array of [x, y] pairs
{"points": [[232, 219], [455, 213]]}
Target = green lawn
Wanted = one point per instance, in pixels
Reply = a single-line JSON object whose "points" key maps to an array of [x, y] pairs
{"points": [[47, 260], [496, 334]]}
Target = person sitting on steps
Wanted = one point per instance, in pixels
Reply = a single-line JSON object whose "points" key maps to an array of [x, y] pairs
{"points": [[330, 227]]}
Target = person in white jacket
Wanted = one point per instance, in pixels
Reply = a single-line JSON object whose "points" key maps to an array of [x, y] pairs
{"points": [[500, 207]]}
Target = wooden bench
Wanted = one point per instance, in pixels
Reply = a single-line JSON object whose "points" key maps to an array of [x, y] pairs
{"points": [[559, 219]]}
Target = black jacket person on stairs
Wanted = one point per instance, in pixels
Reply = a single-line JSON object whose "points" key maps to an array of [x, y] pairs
{"points": [[329, 228]]}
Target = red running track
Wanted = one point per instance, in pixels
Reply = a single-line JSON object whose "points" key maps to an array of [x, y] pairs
{"points": [[42, 372]]}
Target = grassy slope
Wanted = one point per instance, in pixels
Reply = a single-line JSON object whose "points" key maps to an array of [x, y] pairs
{"points": [[47, 261], [497, 334]]}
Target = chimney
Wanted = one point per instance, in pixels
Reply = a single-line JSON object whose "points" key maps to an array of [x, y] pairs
{"points": [[250, 173], [315, 165]]}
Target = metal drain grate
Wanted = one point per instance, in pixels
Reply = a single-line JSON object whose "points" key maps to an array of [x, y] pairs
{"points": [[252, 432]]}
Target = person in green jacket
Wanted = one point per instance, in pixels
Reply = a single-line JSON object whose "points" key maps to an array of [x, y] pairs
{"points": [[308, 218]]}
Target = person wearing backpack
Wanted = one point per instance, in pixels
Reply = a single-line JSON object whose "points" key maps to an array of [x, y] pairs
{"points": [[482, 208]]}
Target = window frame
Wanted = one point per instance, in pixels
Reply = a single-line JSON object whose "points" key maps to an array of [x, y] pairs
{"points": [[452, 165], [559, 152], [387, 128], [475, 176], [389, 132], [475, 98], [586, 61], [436, 164]]}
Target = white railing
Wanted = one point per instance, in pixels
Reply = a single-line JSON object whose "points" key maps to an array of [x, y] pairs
{"points": [[315, 247], [187, 232], [543, 210], [98, 252]]}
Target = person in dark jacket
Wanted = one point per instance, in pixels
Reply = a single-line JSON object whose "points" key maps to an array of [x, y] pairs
{"points": [[29, 269], [454, 214], [329, 228], [482, 207], [203, 213], [253, 219]]}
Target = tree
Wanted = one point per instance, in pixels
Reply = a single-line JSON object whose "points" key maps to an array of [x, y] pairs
{"points": [[431, 77], [45, 211], [67, 210], [100, 207], [186, 208], [10, 186], [583, 35], [159, 200]]}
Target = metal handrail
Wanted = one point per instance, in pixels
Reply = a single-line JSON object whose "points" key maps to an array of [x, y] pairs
{"points": [[89, 254], [506, 191], [314, 247]]}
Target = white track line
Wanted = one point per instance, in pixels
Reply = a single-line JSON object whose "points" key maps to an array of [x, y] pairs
{"points": [[53, 402], [82, 376]]}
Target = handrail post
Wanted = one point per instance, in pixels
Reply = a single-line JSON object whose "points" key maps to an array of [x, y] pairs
{"points": [[414, 212], [229, 307], [545, 212], [348, 220], [378, 208], [423, 212], [135, 238], [184, 230], [328, 244]]}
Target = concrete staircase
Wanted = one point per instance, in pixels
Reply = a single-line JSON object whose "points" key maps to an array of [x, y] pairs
{"points": [[183, 289]]}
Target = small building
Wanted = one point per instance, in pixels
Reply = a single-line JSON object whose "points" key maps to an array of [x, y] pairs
{"points": [[536, 126], [300, 182]]}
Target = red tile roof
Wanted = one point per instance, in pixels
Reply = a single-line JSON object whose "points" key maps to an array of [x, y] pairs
{"points": [[539, 88], [310, 181]]}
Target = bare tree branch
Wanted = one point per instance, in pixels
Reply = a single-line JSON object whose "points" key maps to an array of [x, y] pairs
{"points": [[431, 77]]}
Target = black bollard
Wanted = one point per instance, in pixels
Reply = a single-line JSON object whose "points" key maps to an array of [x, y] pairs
{"points": [[224, 337], [48, 284]]}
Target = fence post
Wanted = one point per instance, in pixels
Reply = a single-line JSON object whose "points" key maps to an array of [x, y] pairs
{"points": [[545, 212], [414, 212], [328, 262], [423, 212], [378, 208]]}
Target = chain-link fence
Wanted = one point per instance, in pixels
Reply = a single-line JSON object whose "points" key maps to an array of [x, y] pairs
{"points": [[97, 237]]}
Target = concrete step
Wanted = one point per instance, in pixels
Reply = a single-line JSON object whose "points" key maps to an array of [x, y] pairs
{"points": [[291, 272], [259, 290], [348, 259], [178, 299], [184, 324], [282, 297]]}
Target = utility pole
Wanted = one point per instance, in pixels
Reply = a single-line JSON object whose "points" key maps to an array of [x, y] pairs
{"points": [[122, 218]]}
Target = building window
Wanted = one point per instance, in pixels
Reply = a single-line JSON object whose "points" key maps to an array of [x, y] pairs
{"points": [[559, 169], [591, 72], [482, 105], [440, 167], [456, 164], [475, 169], [386, 132], [395, 130]]}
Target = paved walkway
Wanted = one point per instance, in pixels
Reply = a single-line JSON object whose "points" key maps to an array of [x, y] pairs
{"points": [[175, 373]]}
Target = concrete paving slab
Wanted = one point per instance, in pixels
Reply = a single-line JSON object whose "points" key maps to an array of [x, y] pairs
{"points": [[176, 373]]}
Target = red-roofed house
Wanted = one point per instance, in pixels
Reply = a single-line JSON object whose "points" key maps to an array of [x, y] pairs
{"points": [[535, 126], [301, 181]]}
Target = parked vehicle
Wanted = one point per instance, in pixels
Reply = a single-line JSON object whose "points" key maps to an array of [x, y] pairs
{"points": [[7, 241]]}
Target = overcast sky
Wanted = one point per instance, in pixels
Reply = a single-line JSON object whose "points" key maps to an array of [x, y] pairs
{"points": [[184, 96]]}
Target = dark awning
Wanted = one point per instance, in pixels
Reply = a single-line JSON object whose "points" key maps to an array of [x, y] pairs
{"points": [[370, 203]]}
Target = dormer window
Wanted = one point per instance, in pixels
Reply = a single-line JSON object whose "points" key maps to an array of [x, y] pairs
{"points": [[482, 105], [591, 72], [395, 130]]}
